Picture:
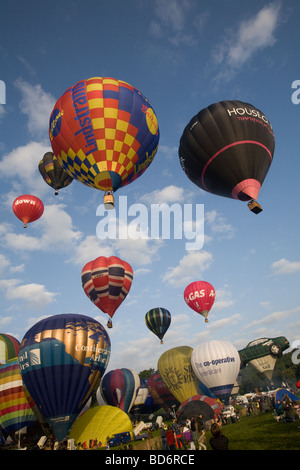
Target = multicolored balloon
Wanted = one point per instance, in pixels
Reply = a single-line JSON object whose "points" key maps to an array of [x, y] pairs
{"points": [[104, 133], [62, 359], [15, 410], [107, 281], [53, 174], [200, 296], [119, 388], [217, 364], [227, 150], [9, 347], [160, 392], [158, 321], [28, 208]]}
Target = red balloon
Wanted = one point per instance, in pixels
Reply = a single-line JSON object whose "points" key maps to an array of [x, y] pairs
{"points": [[107, 281], [200, 296], [28, 208]]}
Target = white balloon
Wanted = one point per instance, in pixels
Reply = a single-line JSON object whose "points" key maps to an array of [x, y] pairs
{"points": [[217, 364]]}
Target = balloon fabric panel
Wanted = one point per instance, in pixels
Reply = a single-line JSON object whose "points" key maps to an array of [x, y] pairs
{"points": [[104, 133]]}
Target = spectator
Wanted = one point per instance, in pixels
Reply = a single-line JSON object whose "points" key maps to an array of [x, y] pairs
{"points": [[218, 441]]}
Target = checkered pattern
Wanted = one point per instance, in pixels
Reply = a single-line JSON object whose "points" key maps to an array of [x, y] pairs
{"points": [[118, 133]]}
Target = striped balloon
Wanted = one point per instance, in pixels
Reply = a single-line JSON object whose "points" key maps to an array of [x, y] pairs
{"points": [[9, 347], [107, 281], [158, 321], [15, 410], [119, 388]]}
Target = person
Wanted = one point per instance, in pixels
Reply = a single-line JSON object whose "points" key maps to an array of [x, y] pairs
{"points": [[170, 438], [202, 440], [178, 436], [163, 435], [279, 411], [193, 429], [218, 441], [201, 423]]}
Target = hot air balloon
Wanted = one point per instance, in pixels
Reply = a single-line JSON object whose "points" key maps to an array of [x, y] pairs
{"points": [[141, 397], [28, 208], [62, 359], [9, 347], [199, 404], [174, 366], [158, 321], [107, 281], [217, 364], [53, 174], [99, 422], [227, 149], [104, 133], [160, 392], [119, 388], [200, 296], [15, 411]]}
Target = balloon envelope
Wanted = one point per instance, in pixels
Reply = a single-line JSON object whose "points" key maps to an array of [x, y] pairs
{"points": [[9, 347], [217, 364], [200, 296], [62, 359], [158, 321], [53, 174], [160, 392], [104, 132], [98, 423], [107, 281], [28, 208], [199, 404], [119, 388], [15, 410], [175, 368], [227, 149]]}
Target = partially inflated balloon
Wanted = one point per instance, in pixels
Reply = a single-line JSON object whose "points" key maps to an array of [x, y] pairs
{"points": [[158, 321], [53, 174], [200, 296], [107, 281], [119, 388], [160, 392], [9, 347], [104, 132], [28, 208], [99, 422], [217, 364], [175, 368], [15, 410], [227, 149], [62, 359]]}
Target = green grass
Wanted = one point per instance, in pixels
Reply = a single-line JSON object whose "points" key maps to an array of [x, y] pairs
{"points": [[261, 432]]}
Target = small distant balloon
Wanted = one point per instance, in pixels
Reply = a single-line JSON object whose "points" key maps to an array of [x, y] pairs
{"points": [[54, 174], [158, 321], [200, 296], [28, 208]]}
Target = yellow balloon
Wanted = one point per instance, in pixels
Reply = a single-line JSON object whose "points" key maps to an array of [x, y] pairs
{"points": [[174, 366], [98, 423]]}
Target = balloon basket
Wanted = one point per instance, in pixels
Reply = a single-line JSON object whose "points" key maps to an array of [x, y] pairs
{"points": [[109, 324], [109, 202], [254, 207]]}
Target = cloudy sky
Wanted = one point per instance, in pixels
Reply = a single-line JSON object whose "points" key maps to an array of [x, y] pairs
{"points": [[183, 56]]}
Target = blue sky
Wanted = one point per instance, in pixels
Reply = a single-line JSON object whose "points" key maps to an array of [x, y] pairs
{"points": [[183, 55]]}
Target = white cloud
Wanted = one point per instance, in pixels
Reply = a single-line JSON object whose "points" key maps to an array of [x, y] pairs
{"points": [[284, 266], [218, 225], [37, 105], [34, 295], [190, 267], [251, 36], [168, 195]]}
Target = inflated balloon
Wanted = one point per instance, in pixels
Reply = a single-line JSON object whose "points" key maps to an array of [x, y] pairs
{"points": [[15, 410], [99, 422], [175, 368], [107, 281], [158, 321], [160, 392], [119, 388], [28, 208], [199, 404], [104, 133], [217, 364], [141, 396], [9, 347], [200, 296], [227, 149], [53, 174], [62, 359]]}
